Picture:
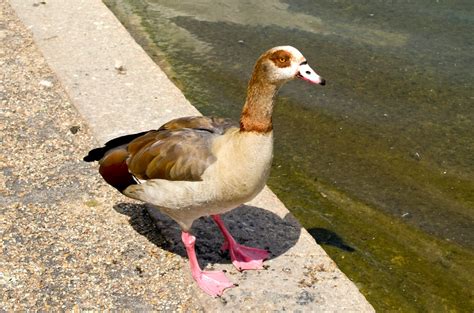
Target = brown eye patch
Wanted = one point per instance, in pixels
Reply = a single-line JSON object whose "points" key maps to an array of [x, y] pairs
{"points": [[281, 58]]}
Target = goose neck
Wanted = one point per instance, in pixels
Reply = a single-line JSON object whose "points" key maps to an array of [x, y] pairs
{"points": [[258, 108]]}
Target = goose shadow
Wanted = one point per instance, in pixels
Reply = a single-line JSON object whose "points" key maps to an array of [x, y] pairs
{"points": [[327, 237], [250, 225]]}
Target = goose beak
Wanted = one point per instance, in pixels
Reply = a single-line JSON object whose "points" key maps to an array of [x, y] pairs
{"points": [[305, 72]]}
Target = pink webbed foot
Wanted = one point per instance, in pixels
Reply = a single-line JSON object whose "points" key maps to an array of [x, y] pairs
{"points": [[212, 283], [246, 258], [243, 258]]}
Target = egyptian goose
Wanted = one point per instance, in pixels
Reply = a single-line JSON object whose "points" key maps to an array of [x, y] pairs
{"points": [[199, 166]]}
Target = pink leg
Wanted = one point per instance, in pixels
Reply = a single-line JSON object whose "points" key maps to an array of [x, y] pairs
{"points": [[243, 258], [212, 283]]}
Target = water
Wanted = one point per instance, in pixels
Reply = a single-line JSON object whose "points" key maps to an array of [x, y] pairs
{"points": [[379, 164]]}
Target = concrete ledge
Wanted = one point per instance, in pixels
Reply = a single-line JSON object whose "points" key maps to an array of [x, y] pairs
{"points": [[85, 44]]}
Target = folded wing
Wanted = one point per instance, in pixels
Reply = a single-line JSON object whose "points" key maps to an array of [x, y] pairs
{"points": [[180, 150]]}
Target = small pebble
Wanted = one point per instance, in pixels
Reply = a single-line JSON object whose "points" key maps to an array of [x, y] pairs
{"points": [[46, 83], [74, 129], [120, 67]]}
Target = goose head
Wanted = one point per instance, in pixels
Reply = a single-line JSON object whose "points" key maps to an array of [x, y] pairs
{"points": [[281, 64], [274, 68]]}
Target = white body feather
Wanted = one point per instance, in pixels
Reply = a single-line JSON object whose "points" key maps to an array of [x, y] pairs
{"points": [[238, 175]]}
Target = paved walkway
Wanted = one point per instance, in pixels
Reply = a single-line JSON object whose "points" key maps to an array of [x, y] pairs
{"points": [[70, 241]]}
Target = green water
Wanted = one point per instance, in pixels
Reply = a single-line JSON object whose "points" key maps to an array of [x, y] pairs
{"points": [[379, 164]]}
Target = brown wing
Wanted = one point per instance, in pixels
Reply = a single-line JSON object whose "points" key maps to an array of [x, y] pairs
{"points": [[180, 150], [173, 155]]}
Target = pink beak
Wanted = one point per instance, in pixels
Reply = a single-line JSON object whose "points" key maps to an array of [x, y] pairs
{"points": [[305, 72]]}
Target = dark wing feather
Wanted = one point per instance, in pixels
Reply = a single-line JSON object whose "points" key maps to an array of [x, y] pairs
{"points": [[98, 153]]}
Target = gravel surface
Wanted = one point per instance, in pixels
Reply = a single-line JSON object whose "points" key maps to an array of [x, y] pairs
{"points": [[68, 240]]}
